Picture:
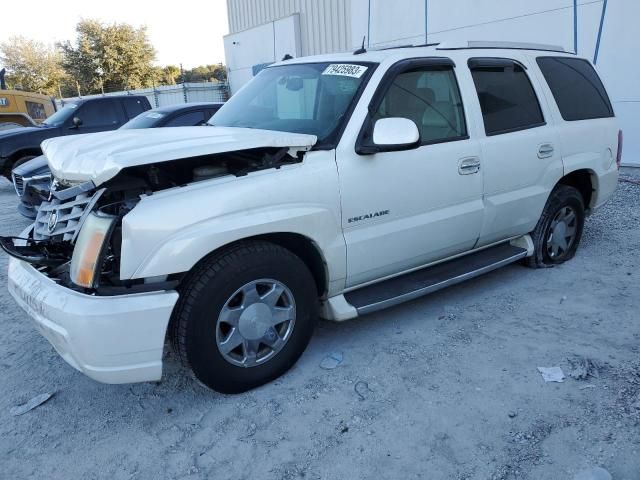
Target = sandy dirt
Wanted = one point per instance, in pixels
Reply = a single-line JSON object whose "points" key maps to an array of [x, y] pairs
{"points": [[445, 387]]}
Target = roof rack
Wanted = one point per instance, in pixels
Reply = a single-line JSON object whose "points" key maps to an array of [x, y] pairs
{"points": [[394, 47], [506, 45]]}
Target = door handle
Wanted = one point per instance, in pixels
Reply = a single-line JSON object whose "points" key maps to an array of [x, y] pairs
{"points": [[468, 166], [545, 150]]}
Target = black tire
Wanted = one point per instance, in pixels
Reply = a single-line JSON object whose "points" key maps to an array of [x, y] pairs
{"points": [[563, 199], [208, 289], [17, 163]]}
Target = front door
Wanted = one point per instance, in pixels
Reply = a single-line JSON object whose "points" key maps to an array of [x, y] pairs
{"points": [[404, 209], [97, 116]]}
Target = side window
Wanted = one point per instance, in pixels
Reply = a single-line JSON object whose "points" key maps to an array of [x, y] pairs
{"points": [[133, 107], [576, 87], [430, 97], [35, 110], [99, 114], [507, 98], [190, 119]]}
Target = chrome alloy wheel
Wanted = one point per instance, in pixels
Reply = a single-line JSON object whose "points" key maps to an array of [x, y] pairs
{"points": [[562, 233], [255, 323]]}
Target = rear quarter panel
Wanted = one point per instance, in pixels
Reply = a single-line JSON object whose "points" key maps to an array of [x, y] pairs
{"points": [[585, 144]]}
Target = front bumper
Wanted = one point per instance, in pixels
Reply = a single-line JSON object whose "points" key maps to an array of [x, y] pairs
{"points": [[116, 339]]}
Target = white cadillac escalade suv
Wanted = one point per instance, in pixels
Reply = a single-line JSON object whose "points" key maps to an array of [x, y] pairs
{"points": [[329, 186]]}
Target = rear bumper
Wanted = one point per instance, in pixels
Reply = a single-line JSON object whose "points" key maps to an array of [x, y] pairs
{"points": [[116, 339]]}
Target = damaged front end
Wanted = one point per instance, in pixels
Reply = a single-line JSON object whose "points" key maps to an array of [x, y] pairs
{"points": [[76, 239]]}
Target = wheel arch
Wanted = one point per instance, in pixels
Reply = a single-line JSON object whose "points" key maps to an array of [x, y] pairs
{"points": [[18, 154], [585, 181], [300, 245], [25, 152]]}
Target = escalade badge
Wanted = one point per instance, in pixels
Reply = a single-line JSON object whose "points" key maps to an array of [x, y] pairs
{"points": [[53, 221], [369, 216]]}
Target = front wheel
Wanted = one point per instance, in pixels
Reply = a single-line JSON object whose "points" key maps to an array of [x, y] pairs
{"points": [[245, 316], [559, 230]]}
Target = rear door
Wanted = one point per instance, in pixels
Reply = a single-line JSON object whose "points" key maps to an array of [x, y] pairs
{"points": [[134, 106], [521, 159]]}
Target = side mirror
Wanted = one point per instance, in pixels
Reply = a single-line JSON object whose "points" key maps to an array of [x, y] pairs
{"points": [[391, 135], [76, 122]]}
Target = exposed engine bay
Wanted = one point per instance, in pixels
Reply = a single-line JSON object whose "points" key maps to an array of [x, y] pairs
{"points": [[58, 226]]}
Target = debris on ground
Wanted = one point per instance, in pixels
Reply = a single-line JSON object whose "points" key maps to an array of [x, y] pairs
{"points": [[552, 374], [584, 387], [362, 388], [581, 368], [563, 299], [331, 361], [594, 473], [35, 402], [513, 414]]}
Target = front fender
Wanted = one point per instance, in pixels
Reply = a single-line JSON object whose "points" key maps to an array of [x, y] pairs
{"points": [[175, 230]]}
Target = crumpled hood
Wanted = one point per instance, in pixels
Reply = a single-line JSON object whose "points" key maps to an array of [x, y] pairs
{"points": [[100, 156]]}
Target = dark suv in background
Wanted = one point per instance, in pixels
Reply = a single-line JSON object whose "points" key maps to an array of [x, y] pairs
{"points": [[79, 116], [32, 180]]}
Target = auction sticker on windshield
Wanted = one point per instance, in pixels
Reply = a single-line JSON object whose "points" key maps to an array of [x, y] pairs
{"points": [[345, 70]]}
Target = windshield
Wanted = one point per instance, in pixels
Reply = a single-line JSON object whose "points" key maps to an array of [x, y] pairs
{"points": [[61, 115], [144, 120], [311, 98]]}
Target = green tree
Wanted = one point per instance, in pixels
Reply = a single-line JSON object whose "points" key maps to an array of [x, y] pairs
{"points": [[169, 74], [207, 73], [32, 65], [116, 57]]}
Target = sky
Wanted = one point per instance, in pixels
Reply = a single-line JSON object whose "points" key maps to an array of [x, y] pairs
{"points": [[188, 32]]}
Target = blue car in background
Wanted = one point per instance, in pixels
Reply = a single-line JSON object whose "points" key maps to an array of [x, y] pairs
{"points": [[32, 179]]}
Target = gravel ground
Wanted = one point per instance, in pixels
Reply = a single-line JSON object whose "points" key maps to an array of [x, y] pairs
{"points": [[445, 387]]}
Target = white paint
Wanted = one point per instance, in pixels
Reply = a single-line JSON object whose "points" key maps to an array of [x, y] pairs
{"points": [[395, 131], [100, 156], [110, 339], [432, 211]]}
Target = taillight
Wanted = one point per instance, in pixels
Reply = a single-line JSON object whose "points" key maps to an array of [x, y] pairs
{"points": [[619, 154]]}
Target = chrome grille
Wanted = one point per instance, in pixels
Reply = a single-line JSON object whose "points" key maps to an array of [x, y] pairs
{"points": [[62, 219], [18, 184]]}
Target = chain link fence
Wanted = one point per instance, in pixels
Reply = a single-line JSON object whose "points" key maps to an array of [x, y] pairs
{"points": [[172, 94]]}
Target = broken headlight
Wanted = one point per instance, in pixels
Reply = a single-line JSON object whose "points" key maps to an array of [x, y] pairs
{"points": [[90, 248]]}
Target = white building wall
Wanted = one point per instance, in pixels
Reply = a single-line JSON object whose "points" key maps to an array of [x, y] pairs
{"points": [[325, 24], [263, 31], [339, 25]]}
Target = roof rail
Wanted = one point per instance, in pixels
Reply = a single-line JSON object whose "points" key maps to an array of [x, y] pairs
{"points": [[410, 45], [505, 45]]}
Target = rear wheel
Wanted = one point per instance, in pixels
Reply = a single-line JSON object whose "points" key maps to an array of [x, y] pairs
{"points": [[245, 316], [559, 230]]}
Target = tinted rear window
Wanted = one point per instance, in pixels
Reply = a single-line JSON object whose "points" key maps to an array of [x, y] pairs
{"points": [[134, 107], [576, 87], [189, 119], [506, 96]]}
